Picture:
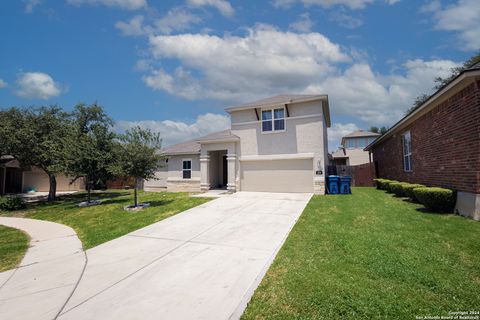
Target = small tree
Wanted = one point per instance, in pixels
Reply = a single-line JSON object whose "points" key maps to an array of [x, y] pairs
{"points": [[383, 130], [91, 146], [36, 137], [373, 129], [139, 155]]}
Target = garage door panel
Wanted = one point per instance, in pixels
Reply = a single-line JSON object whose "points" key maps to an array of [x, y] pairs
{"points": [[277, 176]]}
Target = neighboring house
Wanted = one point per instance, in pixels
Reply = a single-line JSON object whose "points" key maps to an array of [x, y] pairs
{"points": [[278, 144], [351, 152], [439, 143], [15, 179]]}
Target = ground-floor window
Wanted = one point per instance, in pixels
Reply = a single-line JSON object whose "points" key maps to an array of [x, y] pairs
{"points": [[407, 151], [187, 169]]}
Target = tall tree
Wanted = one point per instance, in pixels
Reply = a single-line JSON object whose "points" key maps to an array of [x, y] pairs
{"points": [[383, 130], [36, 137], [139, 155], [90, 150], [441, 82]]}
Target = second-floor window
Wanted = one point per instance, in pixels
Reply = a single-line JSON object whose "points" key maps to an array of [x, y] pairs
{"points": [[273, 120], [407, 151]]}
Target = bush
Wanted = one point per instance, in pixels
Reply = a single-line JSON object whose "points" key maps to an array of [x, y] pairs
{"points": [[10, 203], [388, 183], [398, 188], [382, 184], [408, 190], [436, 199]]}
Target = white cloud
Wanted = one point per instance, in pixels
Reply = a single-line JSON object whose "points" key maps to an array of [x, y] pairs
{"points": [[351, 4], [178, 131], [266, 61], [176, 19], [380, 99], [303, 24], [223, 6], [123, 4], [345, 20], [3, 84], [37, 85], [30, 5], [336, 132], [462, 18], [134, 27], [234, 68]]}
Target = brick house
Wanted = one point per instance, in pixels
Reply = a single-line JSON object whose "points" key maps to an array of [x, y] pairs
{"points": [[439, 143]]}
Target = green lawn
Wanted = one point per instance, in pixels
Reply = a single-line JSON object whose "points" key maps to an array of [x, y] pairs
{"points": [[370, 255], [13, 245], [98, 224]]}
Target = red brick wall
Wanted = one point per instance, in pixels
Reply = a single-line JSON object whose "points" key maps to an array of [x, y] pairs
{"points": [[445, 146]]}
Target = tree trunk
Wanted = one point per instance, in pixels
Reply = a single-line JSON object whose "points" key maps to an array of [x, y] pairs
{"points": [[89, 190], [53, 188], [135, 193]]}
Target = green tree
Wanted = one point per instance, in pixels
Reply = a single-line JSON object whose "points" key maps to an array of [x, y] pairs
{"points": [[90, 150], [441, 82], [139, 155], [383, 130], [36, 137], [373, 129]]}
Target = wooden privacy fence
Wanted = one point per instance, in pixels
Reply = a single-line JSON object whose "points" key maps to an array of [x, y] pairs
{"points": [[362, 175]]}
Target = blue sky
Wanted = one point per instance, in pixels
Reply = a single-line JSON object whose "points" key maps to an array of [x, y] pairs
{"points": [[173, 66]]}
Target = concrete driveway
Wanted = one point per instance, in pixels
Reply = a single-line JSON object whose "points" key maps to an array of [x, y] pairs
{"points": [[203, 263]]}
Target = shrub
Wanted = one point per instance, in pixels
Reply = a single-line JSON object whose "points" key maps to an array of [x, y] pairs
{"points": [[10, 203], [388, 183], [408, 190], [397, 189], [380, 183], [436, 199]]}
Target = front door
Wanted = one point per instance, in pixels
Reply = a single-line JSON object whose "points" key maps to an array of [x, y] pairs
{"points": [[13, 180], [224, 171]]}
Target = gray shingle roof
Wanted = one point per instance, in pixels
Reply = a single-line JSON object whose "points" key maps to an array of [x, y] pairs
{"points": [[280, 99], [187, 147], [362, 133], [193, 146], [225, 135]]}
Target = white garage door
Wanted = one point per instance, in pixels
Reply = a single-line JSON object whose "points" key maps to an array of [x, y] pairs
{"points": [[277, 175]]}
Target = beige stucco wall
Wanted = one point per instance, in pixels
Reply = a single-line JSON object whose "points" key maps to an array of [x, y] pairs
{"points": [[356, 156], [38, 179], [306, 133], [160, 183], [170, 175]]}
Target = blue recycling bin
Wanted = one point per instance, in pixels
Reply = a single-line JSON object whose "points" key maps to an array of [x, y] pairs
{"points": [[345, 184], [333, 184]]}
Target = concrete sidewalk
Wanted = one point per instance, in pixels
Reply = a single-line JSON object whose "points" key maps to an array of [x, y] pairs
{"points": [[203, 263], [47, 275]]}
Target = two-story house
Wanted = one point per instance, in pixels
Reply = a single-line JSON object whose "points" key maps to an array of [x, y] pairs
{"points": [[351, 152], [278, 144]]}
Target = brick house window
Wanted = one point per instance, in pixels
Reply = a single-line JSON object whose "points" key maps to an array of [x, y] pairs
{"points": [[407, 151]]}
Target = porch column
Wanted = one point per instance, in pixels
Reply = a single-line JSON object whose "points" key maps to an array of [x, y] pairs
{"points": [[204, 172], [231, 159]]}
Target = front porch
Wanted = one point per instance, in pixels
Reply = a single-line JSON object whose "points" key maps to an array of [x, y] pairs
{"points": [[218, 163]]}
